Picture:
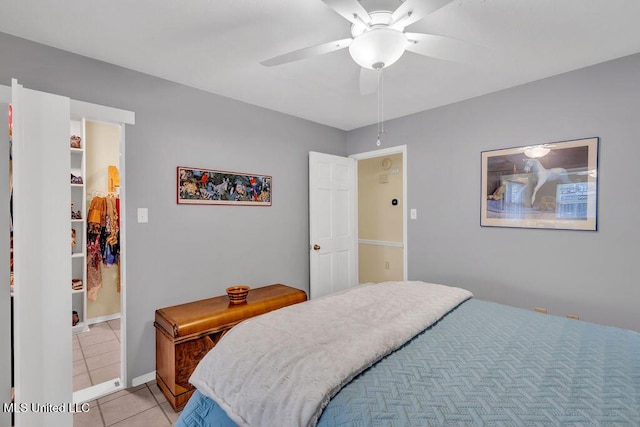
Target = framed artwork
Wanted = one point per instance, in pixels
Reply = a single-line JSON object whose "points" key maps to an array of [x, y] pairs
{"points": [[553, 185], [198, 186]]}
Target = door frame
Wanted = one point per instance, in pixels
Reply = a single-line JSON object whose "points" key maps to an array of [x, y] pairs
{"points": [[101, 114], [400, 149]]}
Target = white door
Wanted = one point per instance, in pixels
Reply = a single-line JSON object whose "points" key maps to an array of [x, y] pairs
{"points": [[5, 298], [332, 222], [42, 249]]}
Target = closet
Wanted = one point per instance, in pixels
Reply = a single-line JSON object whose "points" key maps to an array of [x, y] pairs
{"points": [[96, 261], [46, 261], [103, 190], [95, 223]]}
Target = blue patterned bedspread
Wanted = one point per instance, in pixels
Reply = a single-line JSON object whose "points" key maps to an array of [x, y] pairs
{"points": [[487, 364]]}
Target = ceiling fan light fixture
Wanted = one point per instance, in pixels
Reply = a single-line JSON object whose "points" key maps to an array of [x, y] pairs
{"points": [[378, 48]]}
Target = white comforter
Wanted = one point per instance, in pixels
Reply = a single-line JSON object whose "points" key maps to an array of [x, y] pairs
{"points": [[282, 368]]}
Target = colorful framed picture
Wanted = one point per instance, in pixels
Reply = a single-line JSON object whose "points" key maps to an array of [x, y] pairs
{"points": [[198, 186], [553, 185]]}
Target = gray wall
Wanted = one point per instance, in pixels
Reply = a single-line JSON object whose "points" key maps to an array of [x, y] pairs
{"points": [[592, 274], [187, 253]]}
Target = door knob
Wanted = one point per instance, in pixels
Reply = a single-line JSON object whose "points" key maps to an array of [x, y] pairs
{"points": [[316, 247]]}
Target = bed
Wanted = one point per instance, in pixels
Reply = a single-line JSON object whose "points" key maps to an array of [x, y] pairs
{"points": [[475, 363]]}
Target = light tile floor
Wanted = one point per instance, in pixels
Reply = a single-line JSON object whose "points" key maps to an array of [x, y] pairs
{"points": [[142, 406], [96, 354], [96, 358]]}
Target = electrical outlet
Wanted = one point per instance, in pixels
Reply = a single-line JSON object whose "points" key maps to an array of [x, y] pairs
{"points": [[573, 316], [386, 265], [540, 310]]}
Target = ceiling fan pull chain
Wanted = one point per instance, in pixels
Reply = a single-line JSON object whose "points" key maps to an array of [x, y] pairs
{"points": [[378, 116], [382, 100], [380, 107]]}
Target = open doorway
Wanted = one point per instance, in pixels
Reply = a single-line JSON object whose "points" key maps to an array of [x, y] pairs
{"points": [[382, 215], [334, 239], [97, 301]]}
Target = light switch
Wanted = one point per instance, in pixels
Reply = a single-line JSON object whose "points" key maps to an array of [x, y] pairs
{"points": [[414, 213], [143, 215]]}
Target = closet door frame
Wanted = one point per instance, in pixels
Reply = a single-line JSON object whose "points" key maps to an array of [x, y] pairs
{"points": [[98, 113]]}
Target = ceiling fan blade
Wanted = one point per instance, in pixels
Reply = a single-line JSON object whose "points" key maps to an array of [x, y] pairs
{"points": [[351, 10], [441, 47], [369, 80], [414, 10], [308, 52]]}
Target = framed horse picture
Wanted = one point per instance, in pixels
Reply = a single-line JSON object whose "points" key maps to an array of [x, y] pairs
{"points": [[552, 185], [198, 186]]}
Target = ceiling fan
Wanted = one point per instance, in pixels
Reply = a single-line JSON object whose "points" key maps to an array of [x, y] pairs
{"points": [[379, 38]]}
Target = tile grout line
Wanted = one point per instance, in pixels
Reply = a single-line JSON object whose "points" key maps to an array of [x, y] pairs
{"points": [[103, 367], [104, 423], [91, 380], [87, 365], [131, 416], [84, 359], [114, 331], [159, 405]]}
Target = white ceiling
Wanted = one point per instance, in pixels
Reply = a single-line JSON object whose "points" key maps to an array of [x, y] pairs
{"points": [[217, 46]]}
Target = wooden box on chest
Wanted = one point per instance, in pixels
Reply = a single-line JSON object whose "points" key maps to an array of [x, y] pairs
{"points": [[186, 332]]}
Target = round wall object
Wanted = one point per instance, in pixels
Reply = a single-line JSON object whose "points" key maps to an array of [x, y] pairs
{"points": [[386, 163]]}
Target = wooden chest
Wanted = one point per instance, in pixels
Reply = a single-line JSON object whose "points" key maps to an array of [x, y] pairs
{"points": [[186, 332]]}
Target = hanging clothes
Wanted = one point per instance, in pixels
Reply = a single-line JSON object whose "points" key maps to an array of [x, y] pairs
{"points": [[95, 219], [113, 178], [112, 234], [103, 240], [118, 212], [97, 212]]}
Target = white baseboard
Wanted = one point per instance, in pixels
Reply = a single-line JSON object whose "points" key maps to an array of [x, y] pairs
{"points": [[97, 391], [143, 379], [100, 319]]}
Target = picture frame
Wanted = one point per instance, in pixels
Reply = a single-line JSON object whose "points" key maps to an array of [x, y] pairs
{"points": [[549, 186], [200, 186]]}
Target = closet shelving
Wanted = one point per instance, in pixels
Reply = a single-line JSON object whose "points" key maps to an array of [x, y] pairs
{"points": [[78, 225]]}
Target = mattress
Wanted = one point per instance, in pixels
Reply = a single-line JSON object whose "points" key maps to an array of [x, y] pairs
{"points": [[487, 364]]}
